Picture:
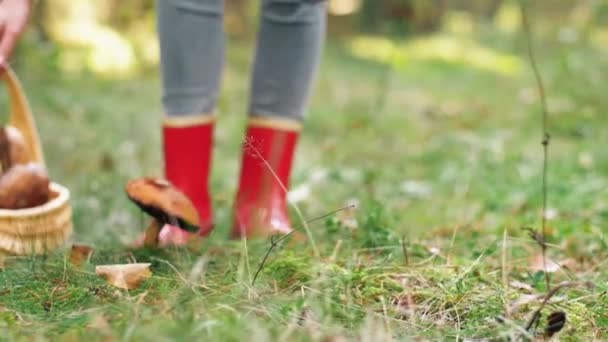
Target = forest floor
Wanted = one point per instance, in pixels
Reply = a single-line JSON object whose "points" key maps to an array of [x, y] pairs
{"points": [[438, 142]]}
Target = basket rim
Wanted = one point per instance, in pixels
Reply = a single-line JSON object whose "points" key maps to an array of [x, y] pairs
{"points": [[63, 197]]}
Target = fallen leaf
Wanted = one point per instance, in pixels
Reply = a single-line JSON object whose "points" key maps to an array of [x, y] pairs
{"points": [[79, 254], [99, 322], [523, 300], [100, 326], [127, 276], [537, 264], [521, 286]]}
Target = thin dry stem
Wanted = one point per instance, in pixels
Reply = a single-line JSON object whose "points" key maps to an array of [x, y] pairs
{"points": [[550, 294], [505, 276], [545, 133], [284, 188], [274, 242], [406, 257], [449, 252]]}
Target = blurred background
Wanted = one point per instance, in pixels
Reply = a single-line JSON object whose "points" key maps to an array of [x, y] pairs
{"points": [[116, 38], [425, 113]]}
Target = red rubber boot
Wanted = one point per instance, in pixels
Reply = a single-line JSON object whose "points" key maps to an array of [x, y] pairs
{"points": [[260, 208], [187, 145]]}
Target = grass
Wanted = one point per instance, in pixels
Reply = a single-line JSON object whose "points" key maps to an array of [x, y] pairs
{"points": [[443, 159]]}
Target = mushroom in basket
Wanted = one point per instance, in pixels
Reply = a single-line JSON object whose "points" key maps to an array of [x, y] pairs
{"points": [[22, 184], [35, 214], [12, 148], [166, 204]]}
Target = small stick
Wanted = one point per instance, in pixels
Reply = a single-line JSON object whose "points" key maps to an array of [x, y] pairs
{"points": [[550, 294], [304, 224], [546, 138], [505, 275], [404, 250], [274, 242]]}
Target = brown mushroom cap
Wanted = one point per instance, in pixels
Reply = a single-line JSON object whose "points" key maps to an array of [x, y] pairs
{"points": [[13, 149], [159, 199], [18, 148], [24, 186]]}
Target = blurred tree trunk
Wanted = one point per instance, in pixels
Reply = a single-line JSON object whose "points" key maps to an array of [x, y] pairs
{"points": [[401, 16], [427, 15], [238, 17], [479, 8], [370, 16], [39, 21]]}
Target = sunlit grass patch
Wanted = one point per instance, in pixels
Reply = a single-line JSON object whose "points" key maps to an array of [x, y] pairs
{"points": [[445, 48]]}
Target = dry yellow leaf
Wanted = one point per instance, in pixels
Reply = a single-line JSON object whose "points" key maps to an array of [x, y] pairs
{"points": [[99, 323], [538, 264], [524, 299], [80, 253], [126, 276], [516, 284]]}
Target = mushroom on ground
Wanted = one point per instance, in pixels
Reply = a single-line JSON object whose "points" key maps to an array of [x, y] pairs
{"points": [[166, 204]]}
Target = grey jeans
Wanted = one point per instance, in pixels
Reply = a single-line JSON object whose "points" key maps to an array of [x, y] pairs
{"points": [[287, 54]]}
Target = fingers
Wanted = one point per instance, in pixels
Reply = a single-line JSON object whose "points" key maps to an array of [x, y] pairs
{"points": [[7, 42], [13, 17], [2, 58]]}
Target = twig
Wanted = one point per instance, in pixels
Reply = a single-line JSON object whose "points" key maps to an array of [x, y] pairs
{"points": [[274, 242], [546, 137], [406, 257], [304, 224], [505, 275], [449, 252], [550, 294]]}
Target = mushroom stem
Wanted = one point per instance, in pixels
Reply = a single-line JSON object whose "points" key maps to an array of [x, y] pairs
{"points": [[151, 234]]}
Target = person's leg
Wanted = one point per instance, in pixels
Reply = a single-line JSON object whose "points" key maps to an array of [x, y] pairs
{"points": [[191, 38], [287, 56]]}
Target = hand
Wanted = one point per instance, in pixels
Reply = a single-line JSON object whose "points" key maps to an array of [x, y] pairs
{"points": [[13, 17]]}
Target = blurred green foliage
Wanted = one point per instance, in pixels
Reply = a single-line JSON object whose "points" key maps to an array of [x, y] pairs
{"points": [[117, 38]]}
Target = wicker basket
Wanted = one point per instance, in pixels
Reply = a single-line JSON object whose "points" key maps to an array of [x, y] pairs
{"points": [[40, 229]]}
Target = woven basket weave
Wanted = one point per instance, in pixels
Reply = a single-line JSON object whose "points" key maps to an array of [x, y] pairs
{"points": [[40, 229]]}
